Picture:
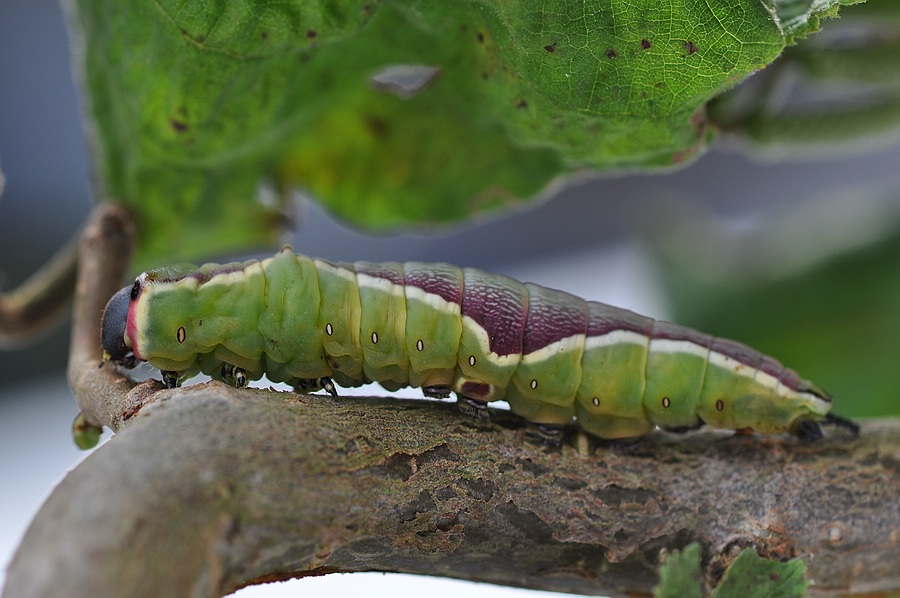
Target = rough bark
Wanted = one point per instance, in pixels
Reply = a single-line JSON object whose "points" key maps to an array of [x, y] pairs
{"points": [[205, 489], [211, 488]]}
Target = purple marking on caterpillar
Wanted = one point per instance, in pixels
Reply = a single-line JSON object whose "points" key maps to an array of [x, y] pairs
{"points": [[498, 305], [552, 316], [738, 351], [603, 319], [442, 280], [390, 271], [667, 331]]}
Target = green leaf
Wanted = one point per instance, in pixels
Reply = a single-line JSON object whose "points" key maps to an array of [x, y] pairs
{"points": [[751, 576], [396, 113], [85, 434], [679, 576]]}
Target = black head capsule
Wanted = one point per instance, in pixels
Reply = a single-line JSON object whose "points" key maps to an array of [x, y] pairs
{"points": [[112, 330]]}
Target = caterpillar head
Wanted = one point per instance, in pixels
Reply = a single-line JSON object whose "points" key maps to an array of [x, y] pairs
{"points": [[115, 317]]}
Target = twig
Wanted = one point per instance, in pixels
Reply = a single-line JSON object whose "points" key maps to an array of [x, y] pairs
{"points": [[41, 301], [105, 254]]}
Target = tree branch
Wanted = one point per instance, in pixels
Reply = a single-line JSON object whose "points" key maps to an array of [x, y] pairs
{"points": [[211, 488], [208, 488]]}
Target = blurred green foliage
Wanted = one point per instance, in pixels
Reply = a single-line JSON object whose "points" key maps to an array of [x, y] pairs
{"points": [[680, 576], [748, 576]]}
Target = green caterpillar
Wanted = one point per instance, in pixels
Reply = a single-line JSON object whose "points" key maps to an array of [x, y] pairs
{"points": [[552, 356]]}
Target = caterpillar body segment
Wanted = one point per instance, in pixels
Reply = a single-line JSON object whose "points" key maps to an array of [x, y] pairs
{"points": [[552, 356]]}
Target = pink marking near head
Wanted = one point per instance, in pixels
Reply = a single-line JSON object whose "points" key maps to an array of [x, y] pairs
{"points": [[131, 330]]}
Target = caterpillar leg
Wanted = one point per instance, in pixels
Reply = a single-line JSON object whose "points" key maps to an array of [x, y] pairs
{"points": [[170, 379], [314, 384], [549, 434], [841, 422], [625, 445], [810, 431], [807, 430], [473, 397], [233, 375], [436, 392], [683, 429], [473, 408]]}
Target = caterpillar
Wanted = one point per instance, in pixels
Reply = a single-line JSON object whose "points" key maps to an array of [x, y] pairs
{"points": [[553, 357]]}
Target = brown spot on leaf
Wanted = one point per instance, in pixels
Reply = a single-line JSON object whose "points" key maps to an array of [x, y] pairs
{"points": [[611, 53], [689, 47], [521, 104], [178, 126], [311, 34], [551, 48], [379, 128], [645, 44], [480, 37]]}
